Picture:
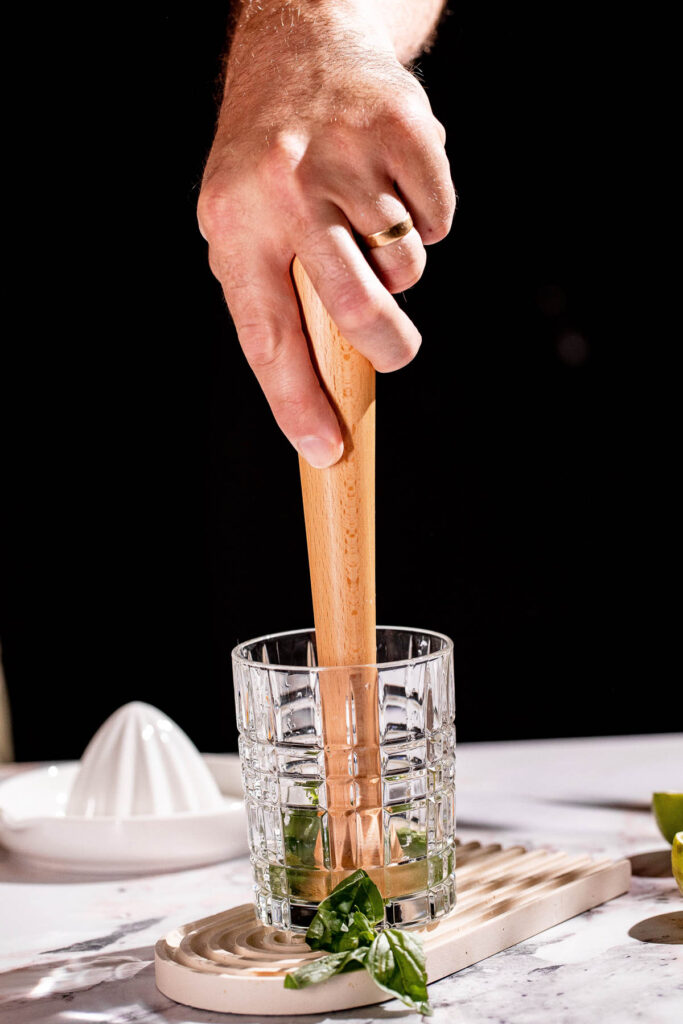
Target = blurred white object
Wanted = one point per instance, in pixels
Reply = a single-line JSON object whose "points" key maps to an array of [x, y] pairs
{"points": [[141, 800], [140, 762]]}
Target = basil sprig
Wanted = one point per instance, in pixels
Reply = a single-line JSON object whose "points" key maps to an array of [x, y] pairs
{"points": [[345, 925], [396, 961]]}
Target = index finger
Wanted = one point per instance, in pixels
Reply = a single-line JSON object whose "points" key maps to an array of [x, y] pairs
{"points": [[266, 315]]}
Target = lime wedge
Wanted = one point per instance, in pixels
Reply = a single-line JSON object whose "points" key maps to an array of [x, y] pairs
{"points": [[668, 812], [677, 860]]}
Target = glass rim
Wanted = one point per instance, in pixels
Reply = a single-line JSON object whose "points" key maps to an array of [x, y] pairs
{"points": [[236, 656]]}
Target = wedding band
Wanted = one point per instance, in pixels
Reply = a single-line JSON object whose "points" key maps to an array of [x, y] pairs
{"points": [[389, 235]]}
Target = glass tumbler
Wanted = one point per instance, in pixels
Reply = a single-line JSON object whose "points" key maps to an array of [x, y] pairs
{"points": [[397, 820]]}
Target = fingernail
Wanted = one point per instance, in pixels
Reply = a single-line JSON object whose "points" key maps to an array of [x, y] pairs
{"points": [[319, 452]]}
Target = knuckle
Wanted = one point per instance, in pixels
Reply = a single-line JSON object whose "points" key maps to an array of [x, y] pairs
{"points": [[318, 240], [266, 353], [401, 280], [356, 306], [355, 309], [408, 116], [260, 344], [401, 134], [292, 405], [280, 161], [401, 353], [214, 210], [403, 276]]}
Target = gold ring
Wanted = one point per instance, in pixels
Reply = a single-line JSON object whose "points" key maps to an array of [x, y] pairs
{"points": [[389, 235]]}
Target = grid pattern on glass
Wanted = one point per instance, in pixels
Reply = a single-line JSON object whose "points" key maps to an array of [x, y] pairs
{"points": [[277, 692]]}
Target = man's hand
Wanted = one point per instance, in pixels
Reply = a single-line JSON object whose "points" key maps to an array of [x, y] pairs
{"points": [[323, 137]]}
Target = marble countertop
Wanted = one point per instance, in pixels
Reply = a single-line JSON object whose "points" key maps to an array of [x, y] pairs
{"points": [[80, 950]]}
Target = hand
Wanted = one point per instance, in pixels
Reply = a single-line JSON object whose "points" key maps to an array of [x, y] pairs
{"points": [[322, 136]]}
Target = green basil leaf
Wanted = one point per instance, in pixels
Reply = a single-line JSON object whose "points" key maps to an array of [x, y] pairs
{"points": [[324, 929], [355, 893], [413, 843], [396, 961], [301, 828], [344, 925], [369, 901], [312, 793], [355, 960], [321, 970], [358, 933], [316, 971]]}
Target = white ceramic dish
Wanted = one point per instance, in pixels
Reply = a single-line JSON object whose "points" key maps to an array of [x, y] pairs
{"points": [[33, 824]]}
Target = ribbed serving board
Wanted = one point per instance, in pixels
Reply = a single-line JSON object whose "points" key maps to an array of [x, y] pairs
{"points": [[231, 963]]}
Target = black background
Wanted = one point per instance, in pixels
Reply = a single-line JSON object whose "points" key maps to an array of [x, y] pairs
{"points": [[151, 510]]}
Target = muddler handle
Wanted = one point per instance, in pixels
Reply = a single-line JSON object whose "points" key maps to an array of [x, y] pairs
{"points": [[339, 508]]}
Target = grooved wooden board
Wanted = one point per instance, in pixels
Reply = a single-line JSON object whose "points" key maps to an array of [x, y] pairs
{"points": [[230, 963]]}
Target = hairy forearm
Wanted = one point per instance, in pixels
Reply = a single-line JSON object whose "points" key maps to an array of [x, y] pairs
{"points": [[406, 26], [411, 24]]}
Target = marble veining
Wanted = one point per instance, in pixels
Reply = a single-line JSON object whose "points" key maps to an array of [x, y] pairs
{"points": [[102, 941], [80, 949]]}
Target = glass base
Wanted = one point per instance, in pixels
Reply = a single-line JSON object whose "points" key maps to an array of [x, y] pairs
{"points": [[430, 881]]}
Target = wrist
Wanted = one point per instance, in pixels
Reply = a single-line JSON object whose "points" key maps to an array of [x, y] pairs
{"points": [[362, 18], [293, 29]]}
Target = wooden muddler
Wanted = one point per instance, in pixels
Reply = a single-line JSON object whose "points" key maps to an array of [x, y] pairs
{"points": [[339, 508]]}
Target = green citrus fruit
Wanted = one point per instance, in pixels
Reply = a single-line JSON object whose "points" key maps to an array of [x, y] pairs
{"points": [[668, 812], [677, 860]]}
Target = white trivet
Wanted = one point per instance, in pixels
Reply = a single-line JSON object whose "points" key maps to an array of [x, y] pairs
{"points": [[231, 963]]}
